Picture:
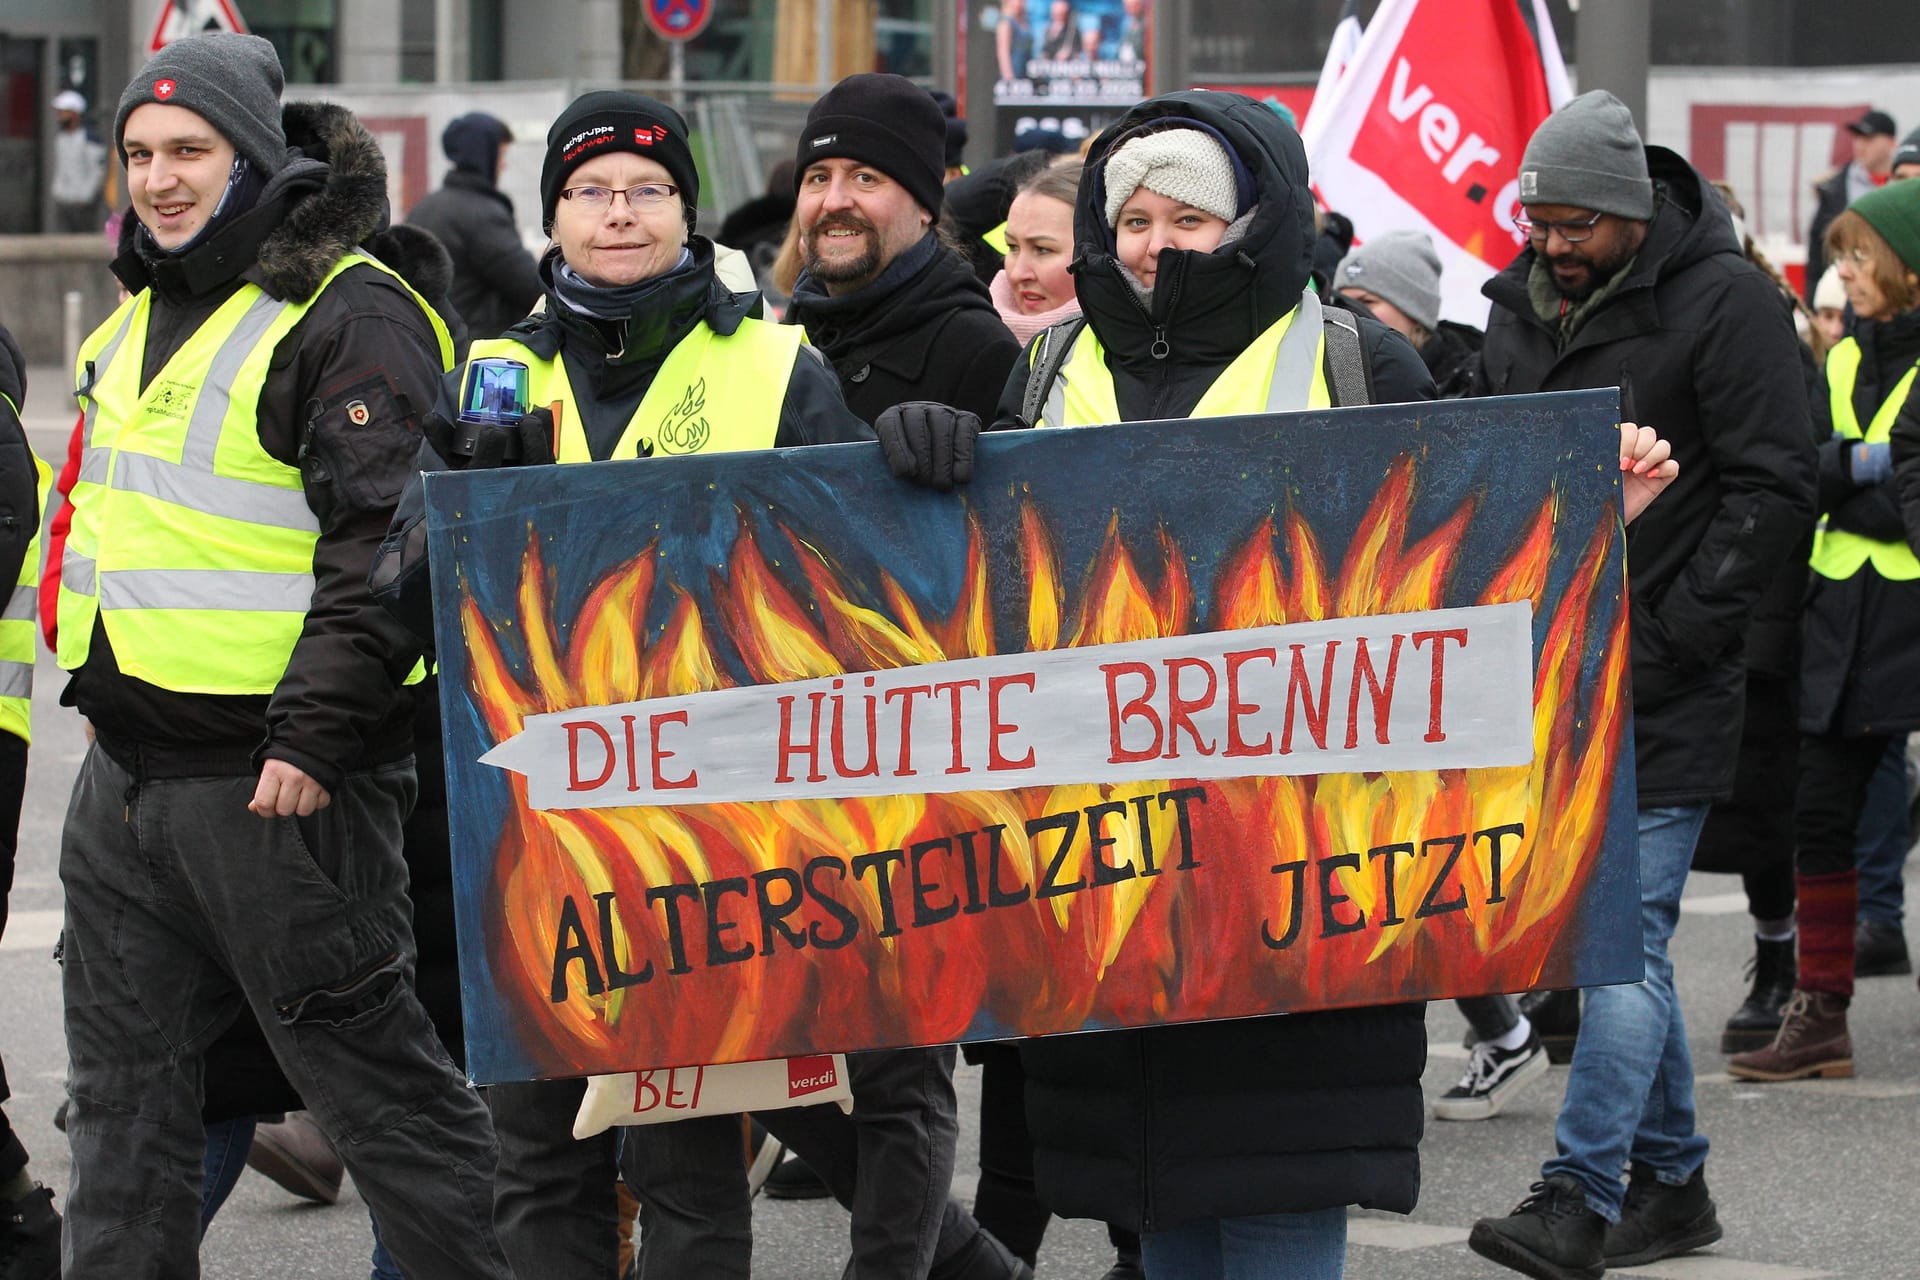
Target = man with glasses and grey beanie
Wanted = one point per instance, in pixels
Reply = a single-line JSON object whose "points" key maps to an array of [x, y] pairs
{"points": [[1632, 277], [233, 845]]}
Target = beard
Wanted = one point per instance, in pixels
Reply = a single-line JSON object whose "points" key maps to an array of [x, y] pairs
{"points": [[1599, 269], [841, 270]]}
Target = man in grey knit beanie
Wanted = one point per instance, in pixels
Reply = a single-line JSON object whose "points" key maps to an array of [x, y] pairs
{"points": [[231, 81], [1587, 194], [1588, 154]]}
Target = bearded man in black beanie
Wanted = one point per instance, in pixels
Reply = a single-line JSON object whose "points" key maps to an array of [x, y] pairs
{"points": [[905, 322], [233, 845]]}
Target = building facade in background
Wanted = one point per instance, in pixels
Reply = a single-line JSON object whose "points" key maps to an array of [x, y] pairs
{"points": [[1752, 90]]}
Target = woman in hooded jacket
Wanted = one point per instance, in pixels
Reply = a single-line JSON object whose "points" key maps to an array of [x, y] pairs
{"points": [[1233, 1147], [641, 351], [1859, 675]]}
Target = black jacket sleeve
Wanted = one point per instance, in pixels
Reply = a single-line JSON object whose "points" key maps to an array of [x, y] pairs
{"points": [[995, 353], [401, 579], [1753, 417], [19, 480], [1398, 373], [814, 412], [362, 378], [1013, 395], [1905, 438], [1871, 510]]}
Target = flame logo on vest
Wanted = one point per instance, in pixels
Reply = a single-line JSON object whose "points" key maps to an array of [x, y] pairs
{"points": [[163, 88], [171, 399], [683, 430]]}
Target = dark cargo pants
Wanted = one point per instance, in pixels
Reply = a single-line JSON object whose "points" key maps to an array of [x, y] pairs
{"points": [[180, 907]]}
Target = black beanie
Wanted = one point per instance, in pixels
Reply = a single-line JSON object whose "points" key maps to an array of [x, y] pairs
{"points": [[886, 121], [601, 123]]}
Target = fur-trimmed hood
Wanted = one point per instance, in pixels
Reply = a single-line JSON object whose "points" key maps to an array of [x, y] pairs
{"points": [[329, 198], [338, 189]]}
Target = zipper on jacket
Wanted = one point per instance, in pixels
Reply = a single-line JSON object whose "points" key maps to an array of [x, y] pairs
{"points": [[1733, 552]]}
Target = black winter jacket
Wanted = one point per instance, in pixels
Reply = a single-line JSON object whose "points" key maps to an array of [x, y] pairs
{"points": [[19, 479], [1155, 1127], [365, 341], [931, 336], [1860, 672], [610, 366], [1452, 356], [494, 283], [1829, 201], [1701, 345]]}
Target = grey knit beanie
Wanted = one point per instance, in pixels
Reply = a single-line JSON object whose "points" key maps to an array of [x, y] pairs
{"points": [[1401, 267], [1181, 164], [1588, 155], [231, 81]]}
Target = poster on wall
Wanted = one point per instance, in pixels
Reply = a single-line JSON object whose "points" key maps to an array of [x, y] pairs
{"points": [[763, 755], [1072, 66]]}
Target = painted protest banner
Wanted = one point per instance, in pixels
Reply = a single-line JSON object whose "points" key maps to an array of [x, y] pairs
{"points": [[768, 755]]}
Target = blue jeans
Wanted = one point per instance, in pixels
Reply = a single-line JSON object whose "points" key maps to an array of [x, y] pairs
{"points": [[1267, 1246], [228, 1142], [1882, 839], [1630, 1091]]}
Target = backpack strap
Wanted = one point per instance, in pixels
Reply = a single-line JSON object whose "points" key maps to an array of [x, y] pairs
{"points": [[1347, 373], [1056, 344]]}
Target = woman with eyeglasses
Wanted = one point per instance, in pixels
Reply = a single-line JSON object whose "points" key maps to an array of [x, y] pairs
{"points": [[640, 351], [1860, 668]]}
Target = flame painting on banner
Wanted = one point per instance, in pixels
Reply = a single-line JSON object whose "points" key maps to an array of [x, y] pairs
{"points": [[772, 754]]}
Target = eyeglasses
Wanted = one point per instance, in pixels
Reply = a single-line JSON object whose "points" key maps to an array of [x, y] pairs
{"points": [[1855, 257], [645, 196], [1574, 232]]}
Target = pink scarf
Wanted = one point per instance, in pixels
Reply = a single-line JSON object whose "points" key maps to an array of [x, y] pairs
{"points": [[1024, 326]]}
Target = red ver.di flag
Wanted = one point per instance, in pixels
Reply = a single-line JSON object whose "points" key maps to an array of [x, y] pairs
{"points": [[1425, 129]]}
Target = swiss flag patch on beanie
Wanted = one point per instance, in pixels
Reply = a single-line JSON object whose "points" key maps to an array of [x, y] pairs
{"points": [[163, 88]]}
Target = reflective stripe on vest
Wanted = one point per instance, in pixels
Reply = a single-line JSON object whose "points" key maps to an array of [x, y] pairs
{"points": [[1283, 369], [19, 616], [189, 542], [1838, 554], [713, 394]]}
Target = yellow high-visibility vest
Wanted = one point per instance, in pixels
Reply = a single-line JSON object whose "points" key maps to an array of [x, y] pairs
{"points": [[1838, 554], [1282, 369], [713, 394], [19, 618], [189, 541]]}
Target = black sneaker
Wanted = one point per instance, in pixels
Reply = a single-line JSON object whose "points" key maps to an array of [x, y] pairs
{"points": [[1660, 1220], [1879, 950], [1493, 1076], [794, 1179], [1552, 1235], [30, 1237]]}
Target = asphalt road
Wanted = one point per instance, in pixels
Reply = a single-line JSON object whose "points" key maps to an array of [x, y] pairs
{"points": [[1811, 1179]]}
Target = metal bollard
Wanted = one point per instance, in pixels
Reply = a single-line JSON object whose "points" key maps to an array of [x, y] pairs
{"points": [[70, 331]]}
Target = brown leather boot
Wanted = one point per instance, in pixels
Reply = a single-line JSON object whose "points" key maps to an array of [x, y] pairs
{"points": [[1813, 1043]]}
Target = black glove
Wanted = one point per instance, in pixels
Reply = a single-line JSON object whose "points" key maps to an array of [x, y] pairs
{"points": [[482, 446], [930, 444]]}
